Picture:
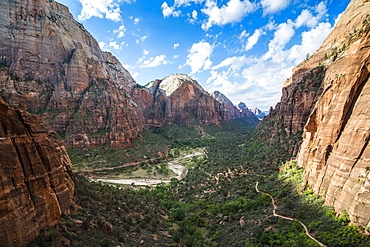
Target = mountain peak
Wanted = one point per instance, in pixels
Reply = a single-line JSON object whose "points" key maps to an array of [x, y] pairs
{"points": [[220, 97], [242, 106], [171, 83]]}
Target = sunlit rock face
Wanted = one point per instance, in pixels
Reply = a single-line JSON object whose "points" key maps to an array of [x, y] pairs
{"points": [[178, 99], [36, 187], [51, 65], [181, 100], [328, 98], [335, 151]]}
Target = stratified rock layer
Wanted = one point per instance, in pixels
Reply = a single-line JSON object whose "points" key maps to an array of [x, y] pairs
{"points": [[231, 111], [335, 151], [299, 96], [178, 99], [52, 66], [35, 185]]}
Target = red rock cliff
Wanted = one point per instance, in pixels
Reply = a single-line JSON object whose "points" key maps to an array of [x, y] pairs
{"points": [[51, 65], [328, 98], [231, 111], [335, 151], [35, 185], [179, 99]]}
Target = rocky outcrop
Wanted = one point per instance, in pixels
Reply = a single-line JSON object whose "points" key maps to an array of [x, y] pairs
{"points": [[36, 187], [178, 99], [260, 114], [245, 112], [299, 95], [335, 151], [52, 66], [231, 111], [181, 100]]}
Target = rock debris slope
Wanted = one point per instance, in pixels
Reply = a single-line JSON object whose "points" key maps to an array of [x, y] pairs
{"points": [[35, 185], [52, 66]]}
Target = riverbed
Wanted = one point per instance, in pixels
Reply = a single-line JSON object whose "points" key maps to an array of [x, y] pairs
{"points": [[175, 165]]}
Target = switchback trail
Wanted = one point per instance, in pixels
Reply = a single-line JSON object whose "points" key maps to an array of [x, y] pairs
{"points": [[287, 218]]}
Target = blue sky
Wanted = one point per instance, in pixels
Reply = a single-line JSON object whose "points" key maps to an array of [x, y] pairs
{"points": [[244, 49]]}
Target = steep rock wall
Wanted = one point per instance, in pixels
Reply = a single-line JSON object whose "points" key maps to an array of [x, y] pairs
{"points": [[299, 95], [35, 185], [231, 111], [335, 151], [52, 66], [181, 100], [178, 99]]}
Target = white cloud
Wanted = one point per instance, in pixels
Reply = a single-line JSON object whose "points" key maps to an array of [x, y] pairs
{"points": [[142, 39], [235, 63], [109, 9], [145, 52], [321, 9], [194, 14], [218, 79], [311, 41], [111, 45], [135, 75], [271, 25], [176, 45], [258, 80], [308, 19], [282, 36], [136, 21], [234, 11], [103, 46], [155, 61], [126, 66], [199, 56], [120, 31], [252, 40], [305, 18], [114, 45], [176, 56], [243, 34], [186, 2], [168, 11], [273, 6]]}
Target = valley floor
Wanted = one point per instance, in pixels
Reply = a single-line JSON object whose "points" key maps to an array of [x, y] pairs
{"points": [[215, 204]]}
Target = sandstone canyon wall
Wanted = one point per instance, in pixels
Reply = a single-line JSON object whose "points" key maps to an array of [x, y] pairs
{"points": [[328, 98], [181, 100], [35, 185], [52, 66], [335, 151], [231, 111]]}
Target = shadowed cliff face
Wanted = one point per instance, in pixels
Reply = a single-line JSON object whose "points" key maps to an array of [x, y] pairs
{"points": [[51, 65], [329, 95], [36, 187], [231, 111]]}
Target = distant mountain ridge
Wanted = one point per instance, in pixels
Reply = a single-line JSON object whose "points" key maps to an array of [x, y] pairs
{"points": [[260, 114], [180, 99]]}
